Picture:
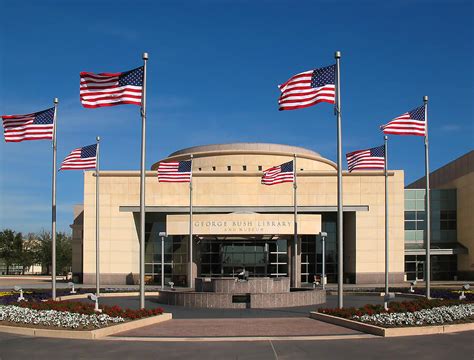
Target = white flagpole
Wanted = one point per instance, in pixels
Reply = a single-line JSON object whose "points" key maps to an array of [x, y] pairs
{"points": [[191, 278], [427, 204], [295, 238], [53, 206], [142, 188], [386, 217], [340, 245], [97, 208]]}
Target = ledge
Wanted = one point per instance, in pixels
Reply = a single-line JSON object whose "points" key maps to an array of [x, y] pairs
{"points": [[83, 295], [232, 209], [241, 173], [391, 332], [86, 334]]}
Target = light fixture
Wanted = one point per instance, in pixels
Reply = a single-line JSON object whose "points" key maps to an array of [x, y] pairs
{"points": [[21, 297], [95, 298], [71, 285], [465, 287]]}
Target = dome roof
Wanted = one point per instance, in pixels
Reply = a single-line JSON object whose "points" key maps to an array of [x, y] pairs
{"points": [[243, 147], [221, 157]]}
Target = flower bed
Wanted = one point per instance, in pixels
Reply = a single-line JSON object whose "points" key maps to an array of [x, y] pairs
{"points": [[40, 311], [88, 309], [409, 313], [439, 293], [52, 318], [450, 294], [433, 316], [9, 297]]}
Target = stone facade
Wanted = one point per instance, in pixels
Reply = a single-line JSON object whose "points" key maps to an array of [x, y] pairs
{"points": [[228, 176], [459, 175]]}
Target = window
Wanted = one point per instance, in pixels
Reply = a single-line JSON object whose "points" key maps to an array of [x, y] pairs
{"points": [[229, 168], [259, 167], [244, 167], [200, 169], [213, 168], [414, 220], [447, 220]]}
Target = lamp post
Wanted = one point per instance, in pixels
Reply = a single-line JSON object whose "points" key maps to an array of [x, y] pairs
{"points": [[162, 234], [323, 243]]}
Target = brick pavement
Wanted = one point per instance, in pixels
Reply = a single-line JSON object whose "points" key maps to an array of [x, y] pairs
{"points": [[239, 327]]}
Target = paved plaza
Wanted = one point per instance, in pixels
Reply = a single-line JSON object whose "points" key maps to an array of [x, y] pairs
{"points": [[457, 345], [242, 334], [248, 327]]}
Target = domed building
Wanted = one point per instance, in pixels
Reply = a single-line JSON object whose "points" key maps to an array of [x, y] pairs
{"points": [[238, 222]]}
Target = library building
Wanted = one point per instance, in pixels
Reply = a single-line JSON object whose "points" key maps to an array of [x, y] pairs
{"points": [[241, 226]]}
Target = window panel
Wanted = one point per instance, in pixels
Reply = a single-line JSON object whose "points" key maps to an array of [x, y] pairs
{"points": [[410, 194], [410, 204], [420, 204], [410, 215]]}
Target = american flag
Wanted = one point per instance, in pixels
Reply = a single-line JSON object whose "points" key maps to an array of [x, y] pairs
{"points": [[309, 88], [279, 174], [35, 126], [81, 159], [179, 171], [110, 89], [369, 159], [409, 123]]}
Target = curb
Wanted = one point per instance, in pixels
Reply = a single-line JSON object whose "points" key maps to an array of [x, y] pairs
{"points": [[241, 338], [86, 334], [105, 295], [372, 293], [391, 332]]}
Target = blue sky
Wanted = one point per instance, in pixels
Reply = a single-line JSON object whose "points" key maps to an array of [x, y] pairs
{"points": [[213, 73]]}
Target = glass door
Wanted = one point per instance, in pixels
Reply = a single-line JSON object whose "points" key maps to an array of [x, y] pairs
{"points": [[420, 270], [249, 255]]}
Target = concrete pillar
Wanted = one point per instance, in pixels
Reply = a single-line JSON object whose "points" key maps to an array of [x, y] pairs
{"points": [[295, 278]]}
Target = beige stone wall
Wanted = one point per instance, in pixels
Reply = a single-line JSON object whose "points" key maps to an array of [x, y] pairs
{"points": [[220, 187], [465, 219], [77, 247]]}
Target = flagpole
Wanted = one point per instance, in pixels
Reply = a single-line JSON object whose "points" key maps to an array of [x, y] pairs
{"points": [[53, 206], [97, 208], [295, 238], [191, 279], [386, 214], [142, 188], [427, 204], [340, 246]]}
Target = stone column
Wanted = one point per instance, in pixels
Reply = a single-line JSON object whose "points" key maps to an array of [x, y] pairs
{"points": [[298, 265]]}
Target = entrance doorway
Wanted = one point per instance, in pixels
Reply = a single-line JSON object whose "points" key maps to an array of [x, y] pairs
{"points": [[420, 270], [227, 256]]}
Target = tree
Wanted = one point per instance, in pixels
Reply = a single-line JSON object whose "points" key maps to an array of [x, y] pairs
{"points": [[10, 248], [29, 255], [63, 252]]}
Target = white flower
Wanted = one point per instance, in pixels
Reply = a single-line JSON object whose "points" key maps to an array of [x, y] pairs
{"points": [[434, 316], [55, 318]]}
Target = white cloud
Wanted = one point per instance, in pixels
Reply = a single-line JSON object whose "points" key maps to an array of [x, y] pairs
{"points": [[451, 127]]}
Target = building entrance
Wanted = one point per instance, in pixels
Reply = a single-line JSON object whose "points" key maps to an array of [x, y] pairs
{"points": [[228, 256]]}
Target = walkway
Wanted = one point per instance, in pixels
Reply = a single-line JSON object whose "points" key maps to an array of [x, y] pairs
{"points": [[280, 322], [244, 327]]}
